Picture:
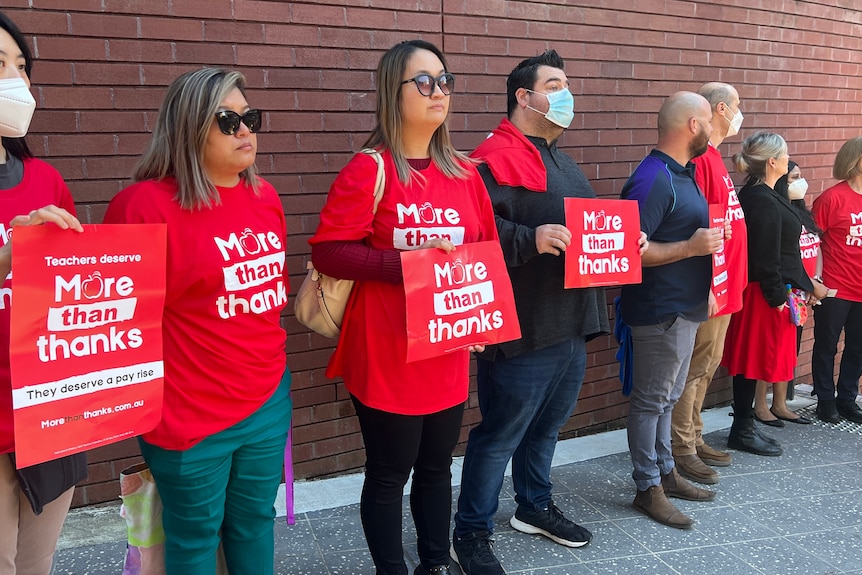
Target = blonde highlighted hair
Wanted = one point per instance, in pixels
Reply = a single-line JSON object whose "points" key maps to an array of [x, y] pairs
{"points": [[180, 136], [756, 152]]}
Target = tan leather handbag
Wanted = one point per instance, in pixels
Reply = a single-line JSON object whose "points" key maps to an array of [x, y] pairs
{"points": [[321, 300]]}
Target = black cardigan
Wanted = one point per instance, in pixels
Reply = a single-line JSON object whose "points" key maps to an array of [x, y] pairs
{"points": [[774, 228]]}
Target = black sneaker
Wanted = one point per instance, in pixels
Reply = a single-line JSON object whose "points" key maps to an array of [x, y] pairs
{"points": [[475, 555], [552, 524]]}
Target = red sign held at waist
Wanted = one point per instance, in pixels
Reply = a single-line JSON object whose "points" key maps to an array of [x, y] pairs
{"points": [[457, 300], [604, 248], [86, 337]]}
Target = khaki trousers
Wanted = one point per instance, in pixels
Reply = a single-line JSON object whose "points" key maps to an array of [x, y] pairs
{"points": [[686, 423], [27, 540]]}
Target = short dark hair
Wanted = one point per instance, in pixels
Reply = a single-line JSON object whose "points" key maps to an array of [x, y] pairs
{"points": [[17, 146], [524, 75]]}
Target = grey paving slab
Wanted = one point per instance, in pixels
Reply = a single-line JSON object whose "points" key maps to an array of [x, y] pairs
{"points": [[713, 560], [642, 565], [99, 559], [778, 556], [657, 537], [800, 513], [609, 542], [839, 547]]}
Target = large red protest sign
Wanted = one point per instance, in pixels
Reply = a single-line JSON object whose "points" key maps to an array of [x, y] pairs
{"points": [[457, 300], [86, 337], [719, 259], [604, 248]]}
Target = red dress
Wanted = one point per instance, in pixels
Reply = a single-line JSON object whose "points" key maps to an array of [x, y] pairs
{"points": [[760, 341]]}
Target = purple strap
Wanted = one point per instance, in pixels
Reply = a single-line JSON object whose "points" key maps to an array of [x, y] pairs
{"points": [[288, 475]]}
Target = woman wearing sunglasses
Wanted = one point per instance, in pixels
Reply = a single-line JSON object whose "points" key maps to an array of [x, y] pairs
{"points": [[409, 413], [216, 454]]}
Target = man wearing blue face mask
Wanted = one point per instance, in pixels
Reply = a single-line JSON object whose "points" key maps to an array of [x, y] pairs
{"points": [[528, 388]]}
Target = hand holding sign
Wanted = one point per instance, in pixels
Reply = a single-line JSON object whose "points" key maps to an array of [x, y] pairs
{"points": [[459, 300], [606, 242], [86, 341]]}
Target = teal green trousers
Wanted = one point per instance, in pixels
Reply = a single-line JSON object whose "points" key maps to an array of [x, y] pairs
{"points": [[226, 483]]}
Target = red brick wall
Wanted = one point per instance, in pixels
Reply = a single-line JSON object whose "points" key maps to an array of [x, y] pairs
{"points": [[103, 66]]}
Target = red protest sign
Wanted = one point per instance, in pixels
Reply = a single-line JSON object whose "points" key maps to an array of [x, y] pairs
{"points": [[457, 300], [86, 337], [604, 248], [719, 259]]}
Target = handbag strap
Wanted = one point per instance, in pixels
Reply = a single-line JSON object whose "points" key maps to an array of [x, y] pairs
{"points": [[380, 183]]}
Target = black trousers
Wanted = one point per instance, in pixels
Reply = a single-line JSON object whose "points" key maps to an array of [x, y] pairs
{"points": [[395, 444], [831, 317]]}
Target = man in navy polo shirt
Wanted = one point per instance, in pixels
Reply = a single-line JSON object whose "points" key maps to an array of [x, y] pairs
{"points": [[665, 310]]}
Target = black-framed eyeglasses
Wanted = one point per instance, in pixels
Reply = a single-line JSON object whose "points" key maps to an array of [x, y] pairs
{"points": [[228, 121], [425, 83]]}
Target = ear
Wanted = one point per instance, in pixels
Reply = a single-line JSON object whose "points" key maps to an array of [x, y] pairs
{"points": [[693, 126], [521, 95]]}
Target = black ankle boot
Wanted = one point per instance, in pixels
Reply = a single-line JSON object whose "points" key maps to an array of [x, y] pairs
{"points": [[827, 410], [744, 437], [849, 410], [766, 438]]}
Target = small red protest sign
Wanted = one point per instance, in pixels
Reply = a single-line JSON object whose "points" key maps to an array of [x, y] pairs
{"points": [[604, 248], [86, 337], [719, 259], [457, 300]]}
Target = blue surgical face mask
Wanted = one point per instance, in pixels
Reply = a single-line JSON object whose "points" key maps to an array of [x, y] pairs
{"points": [[561, 109]]}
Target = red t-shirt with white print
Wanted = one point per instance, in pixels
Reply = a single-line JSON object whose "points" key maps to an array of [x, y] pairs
{"points": [[41, 185], [226, 287], [715, 183], [838, 212], [372, 349], [809, 248]]}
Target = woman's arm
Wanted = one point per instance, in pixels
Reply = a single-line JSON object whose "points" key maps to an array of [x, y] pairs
{"points": [[356, 261]]}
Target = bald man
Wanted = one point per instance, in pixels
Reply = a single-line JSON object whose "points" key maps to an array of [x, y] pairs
{"points": [[691, 454], [665, 309]]}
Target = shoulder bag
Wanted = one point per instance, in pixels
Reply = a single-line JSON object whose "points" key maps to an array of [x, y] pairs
{"points": [[321, 299]]}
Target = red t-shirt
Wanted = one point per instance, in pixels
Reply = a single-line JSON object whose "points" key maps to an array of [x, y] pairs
{"points": [[41, 185], [838, 212], [809, 247], [372, 349], [715, 183], [226, 286]]}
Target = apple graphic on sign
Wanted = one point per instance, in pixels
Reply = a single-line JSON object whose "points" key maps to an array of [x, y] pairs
{"points": [[426, 212], [458, 271], [601, 220], [92, 286], [249, 242]]}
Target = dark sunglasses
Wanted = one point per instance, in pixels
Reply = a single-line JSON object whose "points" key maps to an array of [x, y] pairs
{"points": [[228, 121], [425, 83]]}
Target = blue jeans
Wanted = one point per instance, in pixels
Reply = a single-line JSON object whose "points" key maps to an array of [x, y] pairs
{"points": [[228, 483], [524, 402], [662, 354]]}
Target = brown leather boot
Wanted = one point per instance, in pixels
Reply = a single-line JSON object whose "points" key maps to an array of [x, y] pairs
{"points": [[675, 486], [714, 457], [691, 467], [653, 503]]}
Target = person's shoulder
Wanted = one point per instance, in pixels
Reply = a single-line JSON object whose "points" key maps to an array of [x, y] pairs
{"points": [[42, 171], [148, 193]]}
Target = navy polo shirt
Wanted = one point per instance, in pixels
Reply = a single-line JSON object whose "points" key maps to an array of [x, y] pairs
{"points": [[672, 208]]}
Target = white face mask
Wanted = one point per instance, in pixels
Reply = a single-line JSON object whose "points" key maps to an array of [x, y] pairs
{"points": [[16, 108], [735, 122], [797, 189]]}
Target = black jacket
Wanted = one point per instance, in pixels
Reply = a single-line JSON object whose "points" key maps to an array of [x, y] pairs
{"points": [[774, 227], [45, 482]]}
